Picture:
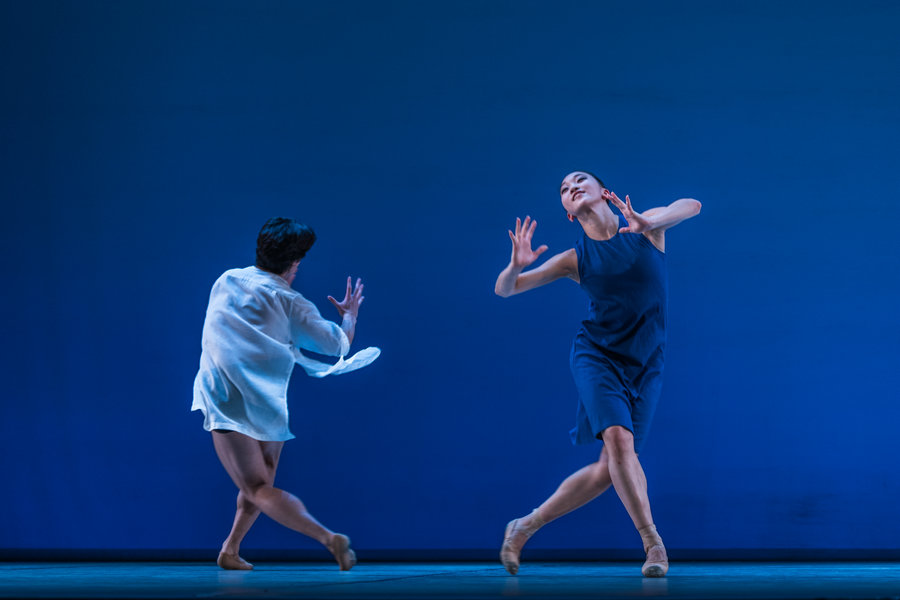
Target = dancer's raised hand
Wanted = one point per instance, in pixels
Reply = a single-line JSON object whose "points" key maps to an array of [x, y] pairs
{"points": [[522, 254], [352, 299], [637, 223]]}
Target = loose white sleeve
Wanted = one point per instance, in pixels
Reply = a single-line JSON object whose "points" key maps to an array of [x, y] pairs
{"points": [[310, 331]]}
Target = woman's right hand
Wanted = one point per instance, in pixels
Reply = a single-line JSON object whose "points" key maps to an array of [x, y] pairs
{"points": [[522, 254]]}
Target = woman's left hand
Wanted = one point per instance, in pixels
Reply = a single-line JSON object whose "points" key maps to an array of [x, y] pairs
{"points": [[637, 223]]}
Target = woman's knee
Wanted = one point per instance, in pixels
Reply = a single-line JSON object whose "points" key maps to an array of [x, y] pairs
{"points": [[619, 441]]}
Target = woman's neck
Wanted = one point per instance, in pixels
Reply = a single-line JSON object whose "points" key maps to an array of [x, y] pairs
{"points": [[600, 223]]}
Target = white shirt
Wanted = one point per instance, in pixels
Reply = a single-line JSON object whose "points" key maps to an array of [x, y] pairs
{"points": [[254, 322]]}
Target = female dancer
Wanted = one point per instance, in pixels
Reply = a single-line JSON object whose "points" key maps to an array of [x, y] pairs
{"points": [[617, 355], [253, 323]]}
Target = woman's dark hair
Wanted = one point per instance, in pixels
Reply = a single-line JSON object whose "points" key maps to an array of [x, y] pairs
{"points": [[281, 242], [600, 181]]}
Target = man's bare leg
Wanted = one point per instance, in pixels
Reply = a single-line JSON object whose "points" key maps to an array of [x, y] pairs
{"points": [[247, 512], [244, 517], [244, 460]]}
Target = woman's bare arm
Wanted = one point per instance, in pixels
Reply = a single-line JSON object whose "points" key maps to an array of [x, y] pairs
{"points": [[513, 281], [655, 219], [654, 222]]}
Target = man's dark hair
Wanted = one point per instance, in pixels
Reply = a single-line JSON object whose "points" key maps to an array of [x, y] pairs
{"points": [[281, 242]]}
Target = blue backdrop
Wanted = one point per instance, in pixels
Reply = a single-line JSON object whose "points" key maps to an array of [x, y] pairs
{"points": [[144, 144]]}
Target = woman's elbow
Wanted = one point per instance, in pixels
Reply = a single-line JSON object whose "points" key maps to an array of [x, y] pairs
{"points": [[694, 206]]}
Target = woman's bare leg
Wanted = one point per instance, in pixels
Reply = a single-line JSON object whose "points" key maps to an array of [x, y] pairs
{"points": [[244, 460], [627, 475], [630, 484], [619, 466], [575, 491]]}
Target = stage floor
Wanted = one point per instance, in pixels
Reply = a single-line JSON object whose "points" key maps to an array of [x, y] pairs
{"points": [[450, 580]]}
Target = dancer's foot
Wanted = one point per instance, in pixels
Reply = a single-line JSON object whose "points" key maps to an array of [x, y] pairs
{"points": [[339, 546], [517, 533], [657, 563], [233, 562]]}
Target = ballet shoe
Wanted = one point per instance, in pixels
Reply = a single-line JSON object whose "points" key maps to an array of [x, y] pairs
{"points": [[657, 563], [509, 555], [233, 562], [340, 548]]}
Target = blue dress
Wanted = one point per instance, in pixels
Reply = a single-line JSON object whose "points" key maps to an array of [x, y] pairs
{"points": [[617, 356]]}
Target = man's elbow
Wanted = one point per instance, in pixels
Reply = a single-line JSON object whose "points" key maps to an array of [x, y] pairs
{"points": [[341, 344]]}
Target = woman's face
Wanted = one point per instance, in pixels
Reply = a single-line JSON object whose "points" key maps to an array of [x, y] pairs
{"points": [[579, 192]]}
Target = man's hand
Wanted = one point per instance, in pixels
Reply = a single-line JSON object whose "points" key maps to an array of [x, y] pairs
{"points": [[352, 300]]}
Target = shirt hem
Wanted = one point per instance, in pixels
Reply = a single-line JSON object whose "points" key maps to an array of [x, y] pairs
{"points": [[210, 425]]}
